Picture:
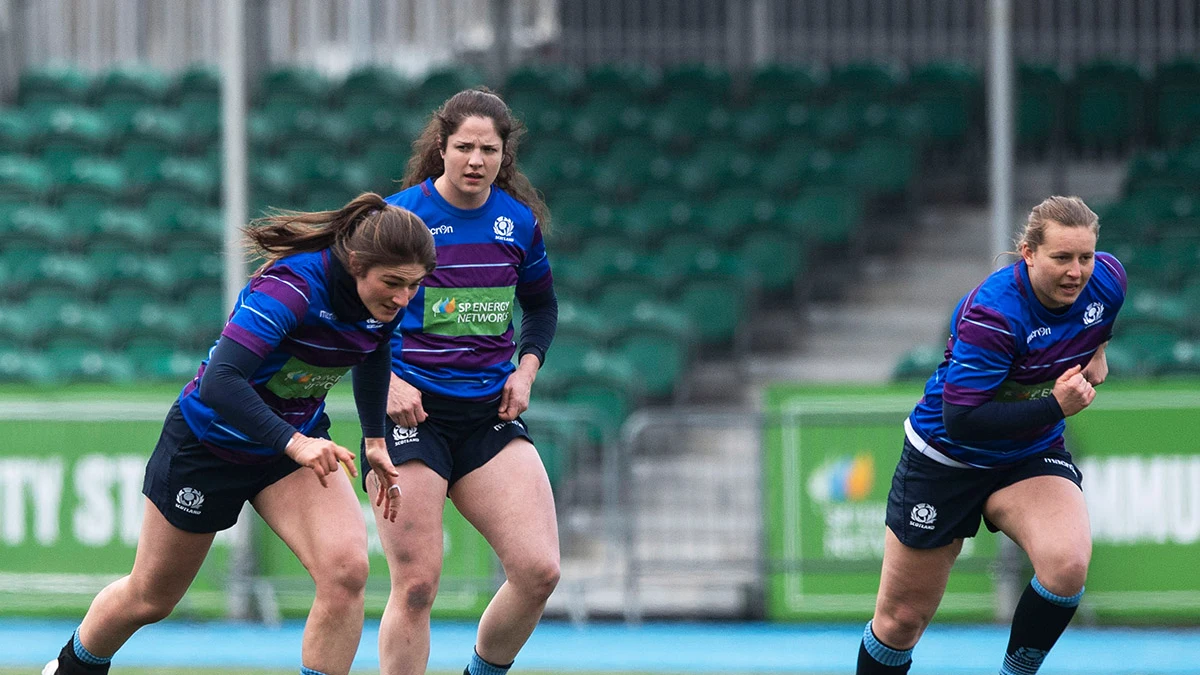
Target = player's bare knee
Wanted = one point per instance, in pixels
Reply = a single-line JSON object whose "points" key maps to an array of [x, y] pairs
{"points": [[344, 575], [418, 596], [900, 626], [1065, 574], [538, 578]]}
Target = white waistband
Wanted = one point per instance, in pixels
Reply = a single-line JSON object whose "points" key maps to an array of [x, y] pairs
{"points": [[922, 447]]}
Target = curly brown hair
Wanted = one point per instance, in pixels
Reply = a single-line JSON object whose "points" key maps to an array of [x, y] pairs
{"points": [[426, 160]]}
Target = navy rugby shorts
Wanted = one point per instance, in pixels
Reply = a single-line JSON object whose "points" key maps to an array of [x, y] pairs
{"points": [[200, 492], [931, 504], [456, 437]]}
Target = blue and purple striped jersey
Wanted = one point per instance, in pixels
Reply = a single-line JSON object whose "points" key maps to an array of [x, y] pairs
{"points": [[456, 338], [285, 316], [1005, 346]]}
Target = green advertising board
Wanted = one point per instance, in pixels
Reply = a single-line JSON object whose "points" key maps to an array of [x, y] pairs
{"points": [[71, 506], [830, 454]]}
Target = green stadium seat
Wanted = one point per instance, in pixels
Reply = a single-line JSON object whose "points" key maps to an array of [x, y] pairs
{"points": [[1107, 105], [22, 264], [71, 272], [859, 83], [657, 213], [782, 82], [289, 89], [598, 121], [1040, 105], [715, 307], [124, 90], [53, 86], [778, 259], [25, 367], [882, 167], [38, 226], [24, 181], [1176, 101], [733, 212], [763, 123], [782, 174], [828, 217], [203, 229], [629, 168], [699, 80], [18, 133], [440, 84], [659, 358], [619, 295], [716, 163], [197, 92], [20, 327], [373, 86], [159, 359], [949, 96], [387, 160], [617, 81], [918, 363], [686, 118], [76, 361], [577, 319], [556, 83], [73, 133]]}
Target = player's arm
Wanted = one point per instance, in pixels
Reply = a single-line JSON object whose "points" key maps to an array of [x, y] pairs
{"points": [[225, 387], [1096, 371], [994, 420]]}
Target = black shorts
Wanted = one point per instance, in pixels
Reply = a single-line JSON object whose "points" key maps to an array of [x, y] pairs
{"points": [[931, 504], [197, 491], [456, 437]]}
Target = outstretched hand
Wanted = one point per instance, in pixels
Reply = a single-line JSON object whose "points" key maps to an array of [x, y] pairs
{"points": [[387, 495], [321, 455]]}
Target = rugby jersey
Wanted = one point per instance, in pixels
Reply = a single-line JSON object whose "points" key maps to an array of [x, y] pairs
{"points": [[286, 316], [1005, 346], [456, 336]]}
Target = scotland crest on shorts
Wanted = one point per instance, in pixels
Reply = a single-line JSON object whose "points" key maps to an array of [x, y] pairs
{"points": [[189, 500], [923, 516]]}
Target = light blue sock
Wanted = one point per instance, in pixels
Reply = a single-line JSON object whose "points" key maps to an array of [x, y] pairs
{"points": [[1060, 600], [309, 671], [86, 656], [883, 653], [480, 667]]}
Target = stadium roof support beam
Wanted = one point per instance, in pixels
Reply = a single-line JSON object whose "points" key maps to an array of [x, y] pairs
{"points": [[1000, 123]]}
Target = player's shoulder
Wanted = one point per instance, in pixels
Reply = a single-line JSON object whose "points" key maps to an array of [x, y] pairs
{"points": [[1001, 290], [1109, 271], [508, 205], [408, 198]]}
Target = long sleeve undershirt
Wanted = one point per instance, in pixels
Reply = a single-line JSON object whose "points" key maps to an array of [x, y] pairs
{"points": [[538, 324], [993, 420], [371, 380], [225, 387]]}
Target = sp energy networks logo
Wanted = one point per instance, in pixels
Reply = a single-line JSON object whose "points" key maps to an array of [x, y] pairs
{"points": [[843, 479], [469, 311], [189, 500], [503, 228], [445, 306], [297, 379]]}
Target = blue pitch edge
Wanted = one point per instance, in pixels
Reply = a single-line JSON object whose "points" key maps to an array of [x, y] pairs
{"points": [[652, 647]]}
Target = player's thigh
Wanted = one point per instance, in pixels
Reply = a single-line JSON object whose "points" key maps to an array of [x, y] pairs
{"points": [[1047, 517], [167, 558], [510, 502], [413, 543], [911, 586], [323, 526]]}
